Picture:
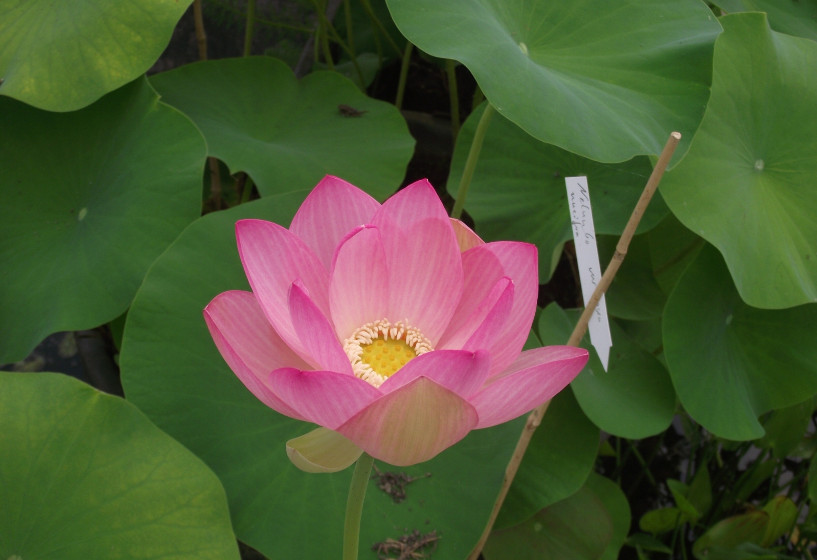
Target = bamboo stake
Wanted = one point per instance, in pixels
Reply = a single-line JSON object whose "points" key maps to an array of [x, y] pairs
{"points": [[535, 417], [201, 36], [201, 42], [249, 28]]}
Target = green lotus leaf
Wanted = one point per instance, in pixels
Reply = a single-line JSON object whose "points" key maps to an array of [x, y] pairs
{"points": [[86, 475], [591, 524], [605, 80], [672, 249], [634, 398], [795, 18], [747, 182], [635, 293], [62, 56], [287, 134], [518, 189], [90, 199], [173, 372], [647, 334], [730, 362]]}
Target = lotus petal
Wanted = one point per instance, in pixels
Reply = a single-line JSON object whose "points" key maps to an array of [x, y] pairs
{"points": [[332, 209], [326, 398], [358, 284], [322, 451], [273, 259], [250, 345], [457, 370], [412, 424], [535, 377]]}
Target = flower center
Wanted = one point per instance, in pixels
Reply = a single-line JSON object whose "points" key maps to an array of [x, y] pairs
{"points": [[377, 350]]}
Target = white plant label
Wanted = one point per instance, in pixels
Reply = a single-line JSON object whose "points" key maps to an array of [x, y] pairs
{"points": [[587, 255]]}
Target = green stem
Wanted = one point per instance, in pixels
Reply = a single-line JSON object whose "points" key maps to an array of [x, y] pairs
{"points": [[378, 44], [350, 36], [246, 190], [471, 162], [404, 68], [354, 506], [228, 7], [323, 35], [343, 45], [201, 36], [478, 98], [453, 97], [645, 467], [367, 7], [248, 31]]}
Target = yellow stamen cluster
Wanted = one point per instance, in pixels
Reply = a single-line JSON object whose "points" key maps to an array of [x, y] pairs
{"points": [[378, 349]]}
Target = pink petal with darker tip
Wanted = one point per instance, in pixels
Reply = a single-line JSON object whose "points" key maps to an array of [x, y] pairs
{"points": [[519, 263], [322, 349], [326, 398], [273, 259], [332, 209], [412, 424], [414, 203], [250, 345], [480, 330], [481, 271], [535, 377], [457, 370], [486, 337]]}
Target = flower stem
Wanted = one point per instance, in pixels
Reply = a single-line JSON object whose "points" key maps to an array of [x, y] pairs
{"points": [[367, 7], [201, 36], [453, 97], [404, 68], [471, 162], [354, 506], [249, 27]]}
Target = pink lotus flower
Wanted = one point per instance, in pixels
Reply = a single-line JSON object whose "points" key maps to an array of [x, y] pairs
{"points": [[392, 326]]}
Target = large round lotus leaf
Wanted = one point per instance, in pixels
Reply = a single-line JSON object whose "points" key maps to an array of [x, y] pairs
{"points": [[747, 184], [634, 398], [635, 294], [730, 362], [557, 463], [172, 371], [606, 80], [287, 134], [86, 475], [62, 56], [592, 524], [794, 17], [90, 198], [672, 249], [518, 189]]}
